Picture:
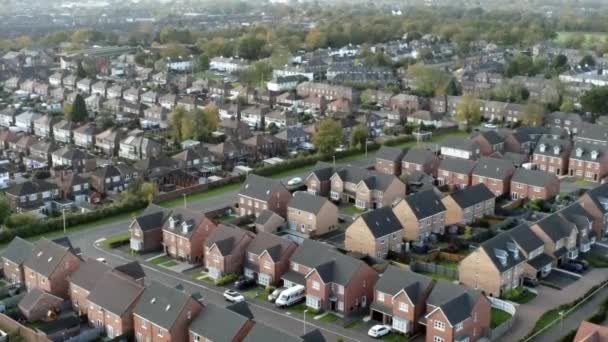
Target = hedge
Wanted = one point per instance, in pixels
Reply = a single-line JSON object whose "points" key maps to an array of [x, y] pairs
{"points": [[72, 219], [227, 279]]}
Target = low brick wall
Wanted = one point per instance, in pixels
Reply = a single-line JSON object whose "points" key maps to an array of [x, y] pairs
{"points": [[167, 196], [13, 327]]}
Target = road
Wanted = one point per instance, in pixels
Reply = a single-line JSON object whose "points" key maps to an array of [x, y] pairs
{"points": [[263, 312]]}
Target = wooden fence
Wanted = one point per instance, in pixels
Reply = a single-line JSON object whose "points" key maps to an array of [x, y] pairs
{"points": [[13, 327], [440, 270]]}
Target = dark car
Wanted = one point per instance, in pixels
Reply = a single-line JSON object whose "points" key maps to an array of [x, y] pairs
{"points": [[572, 267], [583, 263], [244, 283], [530, 282]]}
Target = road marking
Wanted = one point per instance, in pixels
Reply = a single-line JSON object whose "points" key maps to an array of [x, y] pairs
{"points": [[221, 293], [100, 240]]}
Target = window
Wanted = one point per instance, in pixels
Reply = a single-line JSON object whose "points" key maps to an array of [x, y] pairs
{"points": [[197, 338], [160, 332], [403, 307], [438, 339], [294, 266], [380, 296], [316, 285], [439, 325], [459, 326]]}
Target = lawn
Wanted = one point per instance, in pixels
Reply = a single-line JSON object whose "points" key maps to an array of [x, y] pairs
{"points": [[256, 293], [597, 261], [498, 317], [437, 276], [392, 337], [519, 295], [169, 263], [299, 308], [329, 318], [201, 195], [434, 139], [447, 263], [161, 259], [111, 242], [354, 324], [351, 210]]}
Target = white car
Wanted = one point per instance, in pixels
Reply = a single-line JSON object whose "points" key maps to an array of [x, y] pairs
{"points": [[103, 260], [294, 181], [233, 296], [379, 330]]}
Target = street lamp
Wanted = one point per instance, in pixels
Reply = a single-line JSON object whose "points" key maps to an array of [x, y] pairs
{"points": [[64, 227], [305, 311], [185, 201], [334, 161], [561, 321]]}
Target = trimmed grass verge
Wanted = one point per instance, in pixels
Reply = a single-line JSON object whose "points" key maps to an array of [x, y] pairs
{"points": [[498, 317], [329, 318], [520, 295], [597, 261], [161, 259], [169, 263], [117, 241]]}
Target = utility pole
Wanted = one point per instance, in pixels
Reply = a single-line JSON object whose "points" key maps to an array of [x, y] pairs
{"points": [[185, 201], [64, 227]]}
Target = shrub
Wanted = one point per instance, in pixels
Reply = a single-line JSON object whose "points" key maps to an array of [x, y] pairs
{"points": [[226, 279]]}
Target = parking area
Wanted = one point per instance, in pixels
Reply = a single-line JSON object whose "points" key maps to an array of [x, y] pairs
{"points": [[559, 279]]}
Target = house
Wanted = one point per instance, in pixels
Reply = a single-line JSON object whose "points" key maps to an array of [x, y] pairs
{"points": [[84, 136], [456, 313], [294, 137], [388, 160], [552, 155], [185, 233], [366, 189], [333, 281], [36, 304], [264, 146], [538, 263], [73, 186], [7, 117], [400, 299], [234, 129], [112, 302], [33, 195], [593, 134], [311, 215], [235, 320], [132, 95], [149, 98], [43, 126], [228, 64], [267, 258], [115, 92], [84, 85], [49, 266], [146, 230], [595, 202], [495, 267], [375, 233], [455, 172], [99, 88], [137, 147], [262, 333], [268, 221], [519, 141], [571, 122], [534, 185], [417, 159], [63, 131], [225, 250], [461, 148], [407, 102], [489, 142], [318, 182], [468, 205], [261, 193], [165, 313], [495, 173], [559, 236], [328, 91], [168, 101], [583, 221], [108, 141], [588, 161], [112, 178], [25, 121], [73, 158], [590, 332], [83, 281], [13, 258], [40, 155], [421, 214]]}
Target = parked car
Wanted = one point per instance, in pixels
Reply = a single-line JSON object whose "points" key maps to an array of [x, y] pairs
{"points": [[233, 296], [379, 330], [291, 296], [583, 263], [275, 294], [244, 283], [530, 282], [294, 181], [572, 267]]}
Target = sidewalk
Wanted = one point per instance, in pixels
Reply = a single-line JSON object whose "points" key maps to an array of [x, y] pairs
{"points": [[548, 298]]}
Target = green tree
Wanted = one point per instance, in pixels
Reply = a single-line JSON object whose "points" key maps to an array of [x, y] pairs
{"points": [[467, 110], [429, 81], [250, 47], [199, 123], [78, 112], [534, 114], [587, 61], [203, 63], [174, 51], [596, 100], [5, 209], [80, 72], [567, 106], [148, 190], [21, 219], [359, 136], [367, 96], [256, 75], [280, 57], [178, 116], [328, 136]]}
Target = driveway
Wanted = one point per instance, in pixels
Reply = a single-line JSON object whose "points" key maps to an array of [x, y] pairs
{"points": [[560, 279], [547, 299]]}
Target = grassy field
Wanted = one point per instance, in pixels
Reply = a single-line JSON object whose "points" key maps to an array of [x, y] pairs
{"points": [[564, 36], [498, 317]]}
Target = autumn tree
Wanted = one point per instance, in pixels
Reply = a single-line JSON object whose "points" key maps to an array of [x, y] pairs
{"points": [[199, 123], [315, 39], [468, 110], [178, 116], [534, 114], [328, 136], [359, 136]]}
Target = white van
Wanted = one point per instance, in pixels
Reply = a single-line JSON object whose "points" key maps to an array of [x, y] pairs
{"points": [[291, 296]]}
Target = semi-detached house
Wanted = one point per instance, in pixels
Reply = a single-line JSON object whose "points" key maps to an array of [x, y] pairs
{"points": [[260, 193]]}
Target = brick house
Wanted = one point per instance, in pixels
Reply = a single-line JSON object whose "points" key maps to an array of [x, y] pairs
{"points": [[333, 281], [588, 161], [495, 267], [495, 173], [268, 221], [13, 258], [261, 193], [225, 250], [489, 142], [164, 313], [375, 233], [147, 229], [588, 332], [311, 215], [460, 148], [552, 155], [236, 321], [185, 233], [538, 263], [456, 313], [34, 195], [468, 205], [83, 281], [585, 237], [111, 179], [421, 214], [111, 303], [49, 266], [400, 299], [595, 202], [559, 236], [534, 185], [267, 258], [367, 189], [344, 183], [420, 160], [457, 173], [318, 182], [519, 141], [388, 160]]}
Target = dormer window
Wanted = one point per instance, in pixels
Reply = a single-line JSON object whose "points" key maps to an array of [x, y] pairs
{"points": [[579, 152], [173, 222], [594, 155], [556, 150], [543, 147]]}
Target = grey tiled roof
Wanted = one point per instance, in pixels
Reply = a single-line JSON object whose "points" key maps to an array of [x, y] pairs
{"points": [[46, 257], [307, 202], [265, 216], [225, 238], [89, 273], [502, 244], [462, 166], [18, 250], [494, 168], [180, 216], [115, 293], [274, 245], [555, 226], [418, 156], [537, 178], [425, 203], [394, 154], [260, 188], [263, 333], [460, 144], [216, 323], [599, 195], [456, 301], [153, 217], [161, 305], [381, 222], [472, 195], [393, 280], [525, 238]]}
